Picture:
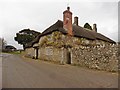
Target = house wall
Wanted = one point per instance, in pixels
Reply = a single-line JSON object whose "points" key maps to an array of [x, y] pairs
{"points": [[53, 54], [95, 54], [30, 52]]}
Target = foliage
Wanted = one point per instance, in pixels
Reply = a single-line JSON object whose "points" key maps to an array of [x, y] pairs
{"points": [[4, 43], [44, 40], [53, 39], [87, 26], [14, 52], [78, 41], [25, 36], [56, 35]]}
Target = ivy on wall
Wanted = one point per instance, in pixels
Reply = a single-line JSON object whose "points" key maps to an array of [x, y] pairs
{"points": [[57, 39]]}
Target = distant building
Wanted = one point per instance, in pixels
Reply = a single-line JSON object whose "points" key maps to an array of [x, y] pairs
{"points": [[69, 43], [9, 48]]}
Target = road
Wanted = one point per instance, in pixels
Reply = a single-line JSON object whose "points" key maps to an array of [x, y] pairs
{"points": [[19, 72]]}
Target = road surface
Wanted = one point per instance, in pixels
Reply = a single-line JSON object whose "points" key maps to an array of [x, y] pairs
{"points": [[28, 73]]}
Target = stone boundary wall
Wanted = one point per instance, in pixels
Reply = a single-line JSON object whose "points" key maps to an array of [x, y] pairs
{"points": [[96, 57], [30, 52]]}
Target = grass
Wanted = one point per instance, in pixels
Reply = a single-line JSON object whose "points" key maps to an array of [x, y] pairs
{"points": [[14, 52]]}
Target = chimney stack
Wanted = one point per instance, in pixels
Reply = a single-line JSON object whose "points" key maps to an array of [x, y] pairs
{"points": [[95, 27], [67, 21], [75, 21]]}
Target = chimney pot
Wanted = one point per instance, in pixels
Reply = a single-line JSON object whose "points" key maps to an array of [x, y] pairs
{"points": [[68, 8]]}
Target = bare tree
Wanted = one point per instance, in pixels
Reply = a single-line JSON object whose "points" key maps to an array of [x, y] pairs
{"points": [[3, 43]]}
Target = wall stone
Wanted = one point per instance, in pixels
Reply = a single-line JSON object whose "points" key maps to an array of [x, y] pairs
{"points": [[96, 57], [30, 52]]}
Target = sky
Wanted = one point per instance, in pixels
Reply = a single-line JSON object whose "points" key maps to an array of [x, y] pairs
{"points": [[16, 15]]}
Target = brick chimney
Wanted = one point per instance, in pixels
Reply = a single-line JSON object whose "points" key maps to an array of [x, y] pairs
{"points": [[95, 27], [67, 21], [75, 21]]}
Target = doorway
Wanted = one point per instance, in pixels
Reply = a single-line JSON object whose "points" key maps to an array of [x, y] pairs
{"points": [[68, 58], [36, 53]]}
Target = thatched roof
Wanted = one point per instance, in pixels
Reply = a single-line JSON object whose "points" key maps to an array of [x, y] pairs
{"points": [[58, 26], [10, 47], [89, 34], [78, 31]]}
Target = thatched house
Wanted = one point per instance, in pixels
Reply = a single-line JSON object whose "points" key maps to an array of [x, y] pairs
{"points": [[9, 48], [65, 42]]}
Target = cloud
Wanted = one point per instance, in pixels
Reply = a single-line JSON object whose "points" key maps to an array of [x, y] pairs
{"points": [[16, 15]]}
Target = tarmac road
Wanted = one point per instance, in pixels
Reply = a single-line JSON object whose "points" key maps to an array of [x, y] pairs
{"points": [[19, 72]]}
